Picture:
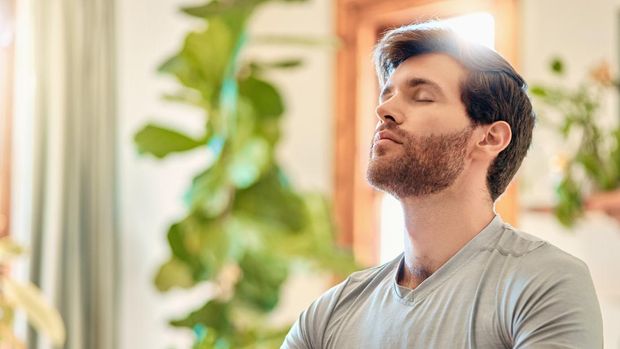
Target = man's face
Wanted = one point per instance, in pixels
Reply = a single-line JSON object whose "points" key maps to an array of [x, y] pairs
{"points": [[422, 140]]}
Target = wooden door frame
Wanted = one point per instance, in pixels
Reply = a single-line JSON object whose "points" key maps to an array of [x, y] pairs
{"points": [[357, 22]]}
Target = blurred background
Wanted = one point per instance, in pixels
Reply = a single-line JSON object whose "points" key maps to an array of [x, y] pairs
{"points": [[180, 174]]}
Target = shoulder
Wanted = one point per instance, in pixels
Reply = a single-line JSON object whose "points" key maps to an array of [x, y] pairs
{"points": [[547, 295], [531, 256], [309, 328], [356, 284]]}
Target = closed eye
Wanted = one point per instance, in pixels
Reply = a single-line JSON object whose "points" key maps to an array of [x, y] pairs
{"points": [[421, 95]]}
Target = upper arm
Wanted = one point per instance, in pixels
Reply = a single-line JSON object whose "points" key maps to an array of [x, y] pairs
{"points": [[297, 337], [557, 308], [307, 332]]}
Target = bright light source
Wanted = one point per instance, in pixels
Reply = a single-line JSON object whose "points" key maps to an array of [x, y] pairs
{"points": [[477, 27]]}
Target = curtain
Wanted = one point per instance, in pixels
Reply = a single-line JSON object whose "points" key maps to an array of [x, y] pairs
{"points": [[73, 223]]}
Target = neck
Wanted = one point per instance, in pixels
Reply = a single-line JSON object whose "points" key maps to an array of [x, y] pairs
{"points": [[438, 226]]}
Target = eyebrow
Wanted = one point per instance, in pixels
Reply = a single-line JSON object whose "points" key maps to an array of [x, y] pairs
{"points": [[414, 82]]}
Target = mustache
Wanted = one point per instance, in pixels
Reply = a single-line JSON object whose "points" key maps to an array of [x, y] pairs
{"points": [[393, 128]]}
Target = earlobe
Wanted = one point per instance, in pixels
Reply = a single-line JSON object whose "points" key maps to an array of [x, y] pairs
{"points": [[496, 137]]}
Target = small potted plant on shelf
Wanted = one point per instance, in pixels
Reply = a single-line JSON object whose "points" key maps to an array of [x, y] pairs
{"points": [[590, 162]]}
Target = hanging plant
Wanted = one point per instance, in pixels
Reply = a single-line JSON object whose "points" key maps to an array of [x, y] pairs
{"points": [[246, 225]]}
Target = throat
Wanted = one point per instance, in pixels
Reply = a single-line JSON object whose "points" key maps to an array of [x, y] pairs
{"points": [[412, 276]]}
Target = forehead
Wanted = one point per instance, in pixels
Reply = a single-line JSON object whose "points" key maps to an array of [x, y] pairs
{"points": [[439, 68]]}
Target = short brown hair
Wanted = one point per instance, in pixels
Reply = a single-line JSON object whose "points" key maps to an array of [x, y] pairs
{"points": [[492, 91]]}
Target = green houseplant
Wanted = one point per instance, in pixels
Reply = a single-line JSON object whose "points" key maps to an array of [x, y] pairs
{"points": [[592, 154], [246, 227]]}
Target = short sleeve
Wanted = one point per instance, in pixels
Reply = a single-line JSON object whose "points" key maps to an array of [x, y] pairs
{"points": [[308, 331], [556, 306]]}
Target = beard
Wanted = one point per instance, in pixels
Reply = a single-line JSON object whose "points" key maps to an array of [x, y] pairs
{"points": [[420, 166]]}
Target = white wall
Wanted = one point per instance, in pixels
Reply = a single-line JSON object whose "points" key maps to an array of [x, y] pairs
{"points": [[151, 191]]}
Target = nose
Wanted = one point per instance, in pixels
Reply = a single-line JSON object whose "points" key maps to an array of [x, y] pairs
{"points": [[386, 110]]}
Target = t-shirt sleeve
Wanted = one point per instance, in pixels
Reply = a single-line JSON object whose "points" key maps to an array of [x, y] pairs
{"points": [[308, 331], [557, 305]]}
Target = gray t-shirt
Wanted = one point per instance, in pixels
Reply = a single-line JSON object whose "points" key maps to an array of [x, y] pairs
{"points": [[503, 289]]}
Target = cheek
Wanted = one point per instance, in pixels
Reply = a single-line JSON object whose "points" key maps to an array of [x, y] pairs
{"points": [[434, 120]]}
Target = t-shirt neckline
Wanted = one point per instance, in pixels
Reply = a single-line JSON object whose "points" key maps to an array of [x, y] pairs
{"points": [[478, 242]]}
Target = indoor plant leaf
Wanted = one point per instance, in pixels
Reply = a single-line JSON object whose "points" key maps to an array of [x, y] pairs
{"points": [[174, 273], [263, 276], [214, 314], [271, 199], [205, 57], [263, 96], [42, 316], [160, 141], [569, 205]]}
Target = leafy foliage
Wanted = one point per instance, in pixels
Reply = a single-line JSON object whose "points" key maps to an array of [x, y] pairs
{"points": [[245, 224], [595, 163], [25, 297]]}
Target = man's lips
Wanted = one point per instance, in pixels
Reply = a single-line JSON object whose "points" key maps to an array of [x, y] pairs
{"points": [[387, 135]]}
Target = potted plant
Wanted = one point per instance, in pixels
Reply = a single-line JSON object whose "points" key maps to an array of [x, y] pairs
{"points": [[591, 158], [246, 227]]}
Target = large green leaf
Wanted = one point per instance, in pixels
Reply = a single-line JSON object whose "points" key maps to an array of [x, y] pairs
{"points": [[205, 58], [174, 273], [272, 200], [160, 141], [203, 244], [263, 276], [263, 96], [214, 314]]}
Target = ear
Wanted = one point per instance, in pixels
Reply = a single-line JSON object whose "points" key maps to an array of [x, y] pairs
{"points": [[493, 138]]}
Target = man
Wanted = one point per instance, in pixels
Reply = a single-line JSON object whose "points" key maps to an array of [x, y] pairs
{"points": [[454, 126]]}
